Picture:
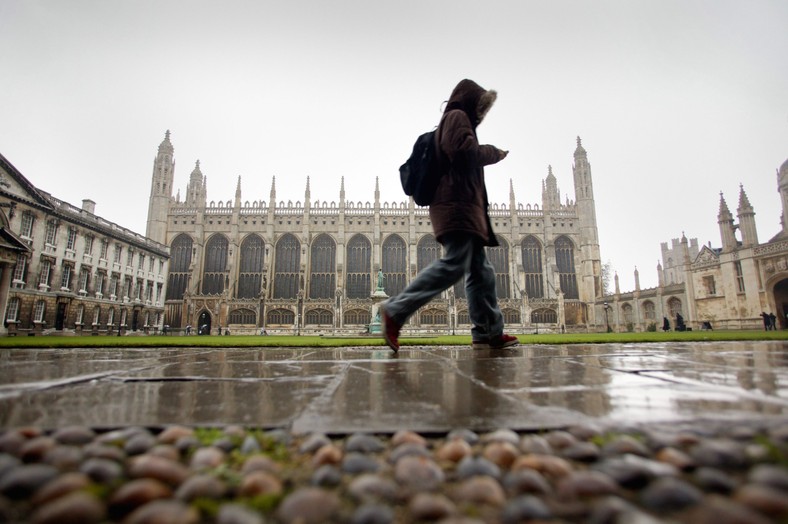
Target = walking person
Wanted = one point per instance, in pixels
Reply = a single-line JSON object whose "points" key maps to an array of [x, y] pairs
{"points": [[461, 224]]}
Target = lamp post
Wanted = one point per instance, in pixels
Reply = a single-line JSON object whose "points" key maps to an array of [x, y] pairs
{"points": [[607, 323]]}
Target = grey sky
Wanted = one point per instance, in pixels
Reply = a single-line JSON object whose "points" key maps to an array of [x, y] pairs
{"points": [[675, 100]]}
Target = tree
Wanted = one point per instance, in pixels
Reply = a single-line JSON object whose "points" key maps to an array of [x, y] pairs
{"points": [[607, 271]]}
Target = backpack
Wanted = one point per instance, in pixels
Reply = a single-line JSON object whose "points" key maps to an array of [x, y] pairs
{"points": [[422, 172]]}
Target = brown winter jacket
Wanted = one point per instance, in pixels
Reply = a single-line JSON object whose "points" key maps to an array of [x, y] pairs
{"points": [[460, 203]]}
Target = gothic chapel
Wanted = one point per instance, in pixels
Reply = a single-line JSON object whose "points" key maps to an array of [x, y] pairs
{"points": [[310, 268]]}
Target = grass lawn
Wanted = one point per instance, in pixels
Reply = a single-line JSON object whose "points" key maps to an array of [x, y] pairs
{"points": [[257, 341]]}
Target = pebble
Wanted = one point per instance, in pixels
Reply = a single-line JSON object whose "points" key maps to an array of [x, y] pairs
{"points": [[326, 476], [454, 450], [502, 435], [372, 514], [250, 445], [207, 458], [139, 444], [237, 514], [580, 484], [136, 493], [355, 463], [164, 512], [139, 475], [431, 506], [101, 470], [74, 508], [525, 508], [406, 449], [159, 468], [418, 473], [525, 481], [74, 435], [407, 437], [308, 506], [24, 480], [260, 483], [373, 487], [725, 454], [171, 434], [467, 435], [713, 480], [364, 443], [764, 499], [769, 475], [481, 490], [314, 442], [670, 494], [502, 454], [201, 486], [62, 485]]}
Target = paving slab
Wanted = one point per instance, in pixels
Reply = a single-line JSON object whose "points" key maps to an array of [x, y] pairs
{"points": [[422, 388]]}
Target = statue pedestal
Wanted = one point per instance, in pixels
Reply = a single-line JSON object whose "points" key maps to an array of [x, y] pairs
{"points": [[375, 327]]}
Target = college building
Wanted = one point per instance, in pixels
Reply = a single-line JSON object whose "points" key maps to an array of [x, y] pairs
{"points": [[64, 269], [312, 266]]}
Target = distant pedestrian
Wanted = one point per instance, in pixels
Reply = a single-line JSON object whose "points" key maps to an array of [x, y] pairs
{"points": [[188, 329], [773, 321], [461, 224], [766, 320], [665, 324]]}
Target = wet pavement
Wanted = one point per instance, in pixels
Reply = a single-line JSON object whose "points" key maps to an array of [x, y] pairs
{"points": [[424, 389]]}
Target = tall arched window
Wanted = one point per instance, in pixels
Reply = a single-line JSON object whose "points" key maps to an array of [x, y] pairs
{"points": [[626, 313], [250, 275], [180, 260], [280, 317], [544, 316], [532, 267], [565, 259], [433, 316], [242, 316], [215, 273], [319, 316], [428, 251], [395, 264], [322, 278], [674, 306], [357, 316], [359, 267], [499, 258], [286, 267], [649, 311], [511, 316]]}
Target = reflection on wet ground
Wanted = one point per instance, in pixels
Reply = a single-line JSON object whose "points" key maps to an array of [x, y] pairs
{"points": [[370, 389]]}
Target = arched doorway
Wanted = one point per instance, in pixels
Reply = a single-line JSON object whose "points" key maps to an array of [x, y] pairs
{"points": [[781, 302], [204, 323]]}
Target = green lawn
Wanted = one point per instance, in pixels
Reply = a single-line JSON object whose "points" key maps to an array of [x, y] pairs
{"points": [[312, 341]]}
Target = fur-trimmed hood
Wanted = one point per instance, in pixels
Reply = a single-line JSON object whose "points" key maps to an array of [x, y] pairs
{"points": [[472, 99]]}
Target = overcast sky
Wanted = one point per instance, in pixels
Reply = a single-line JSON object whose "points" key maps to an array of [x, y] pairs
{"points": [[675, 101]]}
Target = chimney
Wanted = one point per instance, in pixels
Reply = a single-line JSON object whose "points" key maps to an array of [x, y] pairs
{"points": [[89, 206]]}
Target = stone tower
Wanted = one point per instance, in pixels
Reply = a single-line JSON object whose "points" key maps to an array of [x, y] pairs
{"points": [[746, 214], [782, 185], [590, 258], [161, 191]]}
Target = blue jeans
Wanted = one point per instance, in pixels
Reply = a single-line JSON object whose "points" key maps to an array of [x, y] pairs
{"points": [[464, 256]]}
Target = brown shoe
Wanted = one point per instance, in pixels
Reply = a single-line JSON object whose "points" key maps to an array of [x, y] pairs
{"points": [[499, 342], [390, 330]]}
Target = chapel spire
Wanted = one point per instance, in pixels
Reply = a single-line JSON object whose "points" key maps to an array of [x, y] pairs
{"points": [[727, 229], [746, 214]]}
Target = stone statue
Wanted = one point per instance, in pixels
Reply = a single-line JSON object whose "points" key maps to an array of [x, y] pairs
{"points": [[380, 280]]}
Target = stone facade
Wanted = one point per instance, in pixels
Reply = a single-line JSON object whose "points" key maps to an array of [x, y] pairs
{"points": [[312, 266], [73, 271], [729, 287]]}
